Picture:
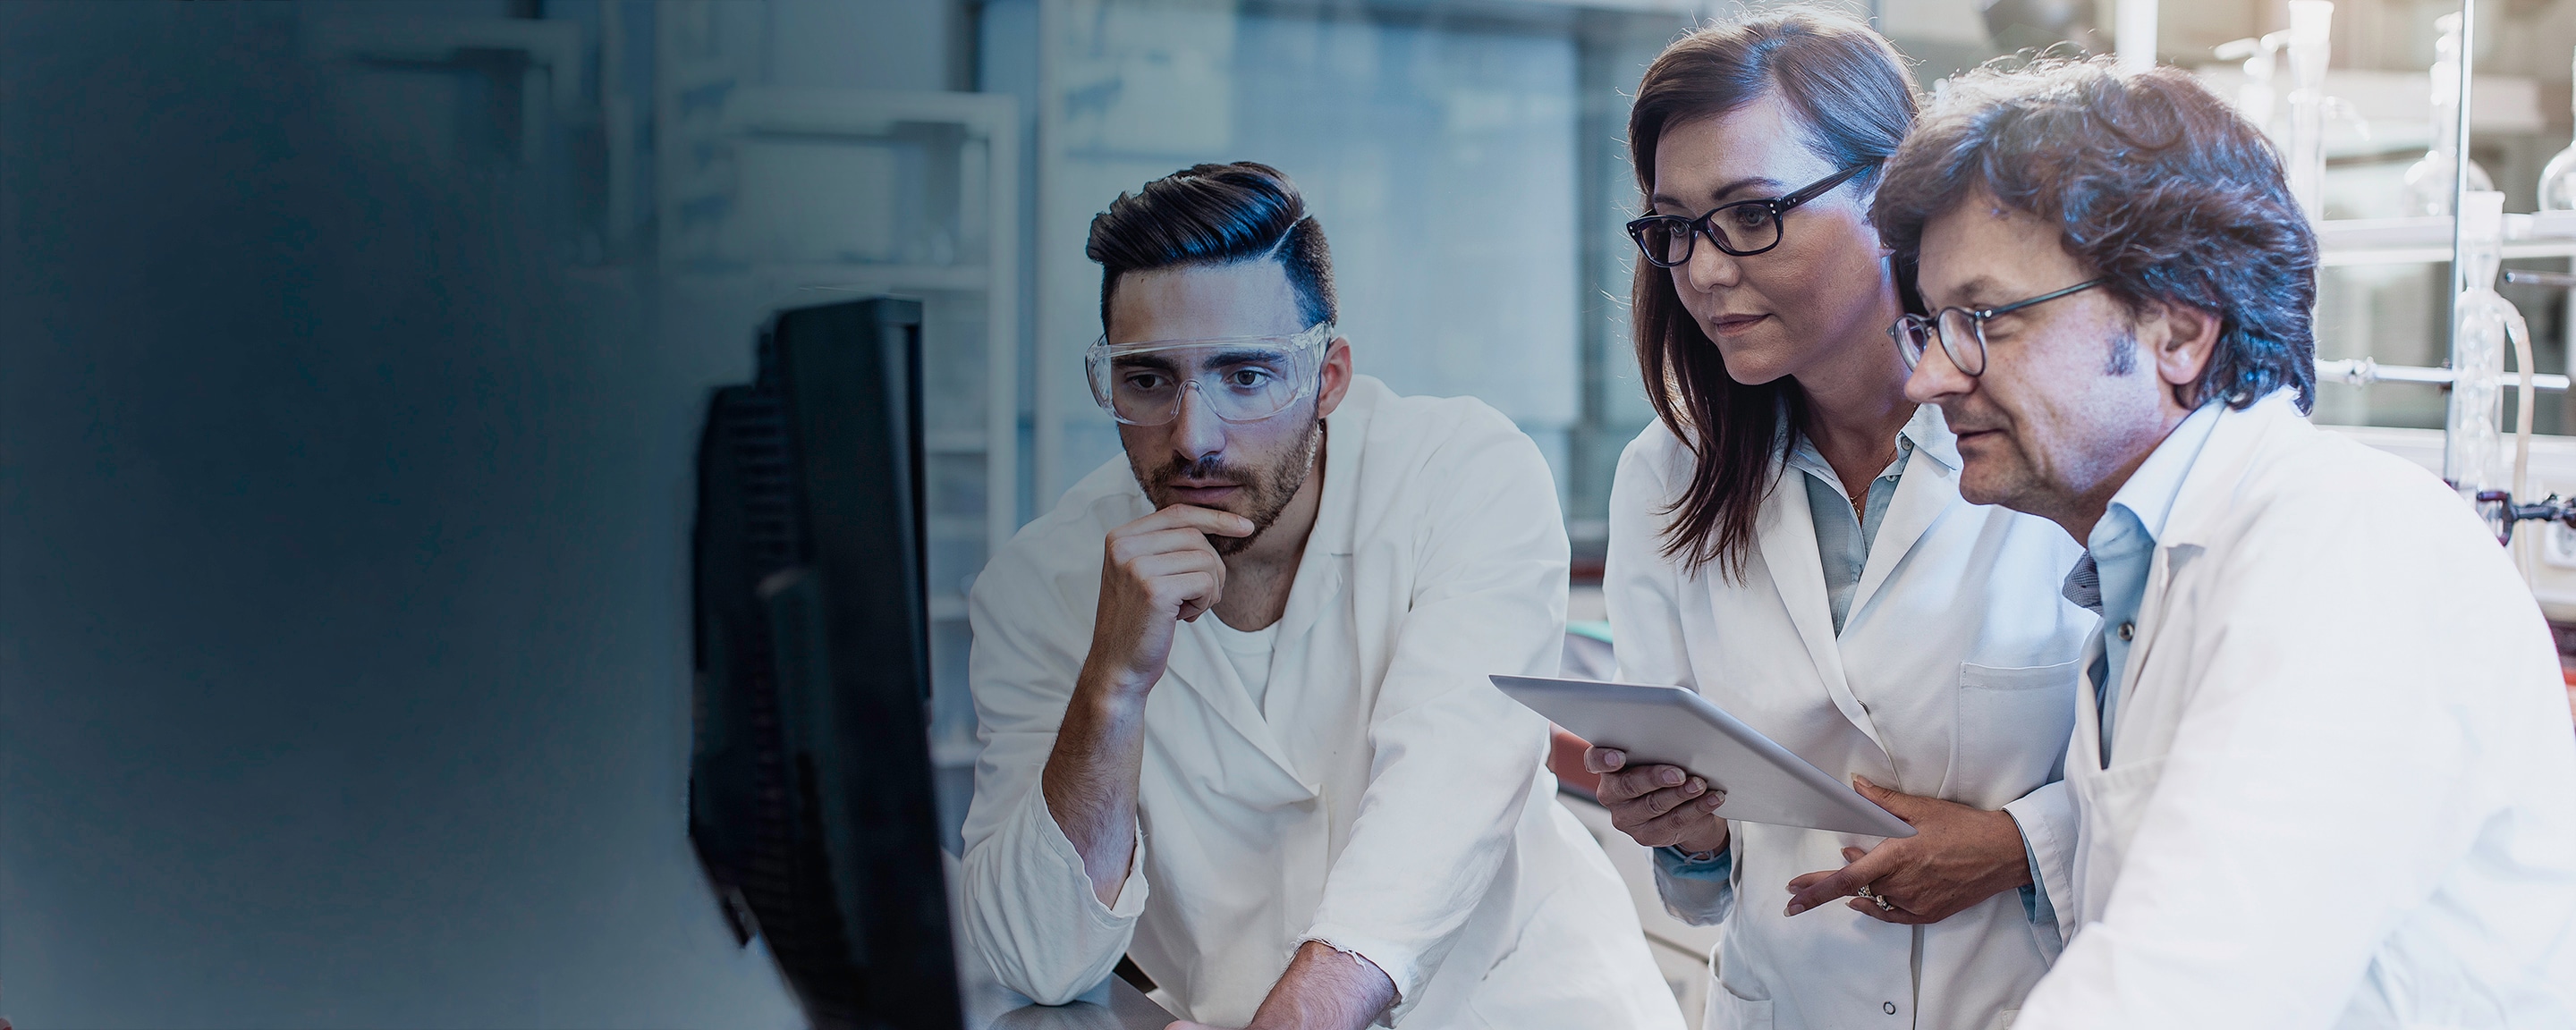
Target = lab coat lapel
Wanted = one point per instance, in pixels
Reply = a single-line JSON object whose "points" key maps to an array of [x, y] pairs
{"points": [[2232, 443], [1928, 487], [2084, 753], [1323, 568], [1317, 589], [1198, 664], [2150, 627], [1789, 553], [2202, 498]]}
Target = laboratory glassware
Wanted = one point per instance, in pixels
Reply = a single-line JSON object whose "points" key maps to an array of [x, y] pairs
{"points": [[2558, 178], [2430, 181], [2473, 451], [2309, 44], [2258, 97]]}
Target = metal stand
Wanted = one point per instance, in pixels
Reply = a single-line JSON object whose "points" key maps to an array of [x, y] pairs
{"points": [[2467, 59], [2498, 506], [2502, 512]]}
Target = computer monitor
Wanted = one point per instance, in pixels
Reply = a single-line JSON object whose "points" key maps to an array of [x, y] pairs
{"points": [[810, 797]]}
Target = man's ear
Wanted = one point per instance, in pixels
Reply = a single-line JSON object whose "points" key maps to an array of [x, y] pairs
{"points": [[1337, 376], [2180, 340]]}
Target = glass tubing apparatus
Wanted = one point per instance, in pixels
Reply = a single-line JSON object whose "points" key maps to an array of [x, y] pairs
{"points": [[2502, 509], [2499, 506]]}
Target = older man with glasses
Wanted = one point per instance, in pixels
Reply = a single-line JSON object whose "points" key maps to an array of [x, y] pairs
{"points": [[1232, 689], [2323, 773]]}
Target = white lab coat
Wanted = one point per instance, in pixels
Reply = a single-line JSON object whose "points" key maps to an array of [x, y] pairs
{"points": [[1954, 677], [2342, 788], [1389, 802]]}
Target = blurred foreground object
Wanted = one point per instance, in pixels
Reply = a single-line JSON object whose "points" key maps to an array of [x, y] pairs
{"points": [[810, 800]]}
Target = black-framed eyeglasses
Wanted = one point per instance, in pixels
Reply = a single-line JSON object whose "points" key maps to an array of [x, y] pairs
{"points": [[1742, 228], [1962, 331]]}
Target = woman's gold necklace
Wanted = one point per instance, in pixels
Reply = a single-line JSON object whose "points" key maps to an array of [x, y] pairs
{"points": [[1861, 502]]}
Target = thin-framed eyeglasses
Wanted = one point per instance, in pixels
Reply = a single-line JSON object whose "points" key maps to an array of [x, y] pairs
{"points": [[1962, 331], [1742, 228], [1238, 378]]}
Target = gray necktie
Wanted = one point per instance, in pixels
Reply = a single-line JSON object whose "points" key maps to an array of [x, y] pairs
{"points": [[2084, 584], [2084, 588]]}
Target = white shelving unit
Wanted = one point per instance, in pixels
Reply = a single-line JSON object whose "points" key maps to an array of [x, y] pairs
{"points": [[2410, 241], [987, 215], [549, 70], [2550, 567], [771, 198], [2416, 241], [963, 530]]}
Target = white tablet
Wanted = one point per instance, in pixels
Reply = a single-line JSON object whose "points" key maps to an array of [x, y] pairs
{"points": [[1764, 782]]}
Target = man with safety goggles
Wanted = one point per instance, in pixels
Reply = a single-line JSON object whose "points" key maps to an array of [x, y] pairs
{"points": [[1233, 688]]}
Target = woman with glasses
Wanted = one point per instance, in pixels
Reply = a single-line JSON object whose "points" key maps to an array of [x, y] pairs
{"points": [[1788, 539]]}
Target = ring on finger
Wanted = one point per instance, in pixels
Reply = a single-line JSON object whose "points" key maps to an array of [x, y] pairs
{"points": [[1881, 899]]}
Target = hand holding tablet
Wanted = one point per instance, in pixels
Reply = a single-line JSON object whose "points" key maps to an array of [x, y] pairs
{"points": [[1760, 781], [1658, 805]]}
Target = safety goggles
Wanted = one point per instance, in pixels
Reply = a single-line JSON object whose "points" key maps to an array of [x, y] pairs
{"points": [[1238, 378]]}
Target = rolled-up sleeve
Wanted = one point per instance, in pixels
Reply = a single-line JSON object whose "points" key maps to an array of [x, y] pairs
{"points": [[1453, 760], [2046, 818], [1030, 908], [1698, 893]]}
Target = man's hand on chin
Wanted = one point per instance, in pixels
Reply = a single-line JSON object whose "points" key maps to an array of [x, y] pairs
{"points": [[1154, 571], [1323, 989]]}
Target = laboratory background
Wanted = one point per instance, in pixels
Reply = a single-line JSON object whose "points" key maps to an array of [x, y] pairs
{"points": [[352, 356]]}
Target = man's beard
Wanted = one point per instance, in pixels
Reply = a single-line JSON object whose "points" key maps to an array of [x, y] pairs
{"points": [[1266, 491]]}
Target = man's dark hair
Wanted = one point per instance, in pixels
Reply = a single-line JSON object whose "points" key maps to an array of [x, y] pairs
{"points": [[1213, 214], [2157, 186]]}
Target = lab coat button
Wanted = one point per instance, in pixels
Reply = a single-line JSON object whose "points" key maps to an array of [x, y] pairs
{"points": [[2127, 630], [1890, 1008]]}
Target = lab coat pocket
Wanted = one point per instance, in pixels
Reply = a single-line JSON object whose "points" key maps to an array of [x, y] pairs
{"points": [[1728, 1010], [2111, 802], [2119, 797], [2011, 732]]}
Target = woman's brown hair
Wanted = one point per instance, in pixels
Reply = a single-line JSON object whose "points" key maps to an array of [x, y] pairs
{"points": [[1848, 86]]}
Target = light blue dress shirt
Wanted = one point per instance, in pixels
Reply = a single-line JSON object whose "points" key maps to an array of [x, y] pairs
{"points": [[2122, 548], [2111, 579], [1842, 542]]}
